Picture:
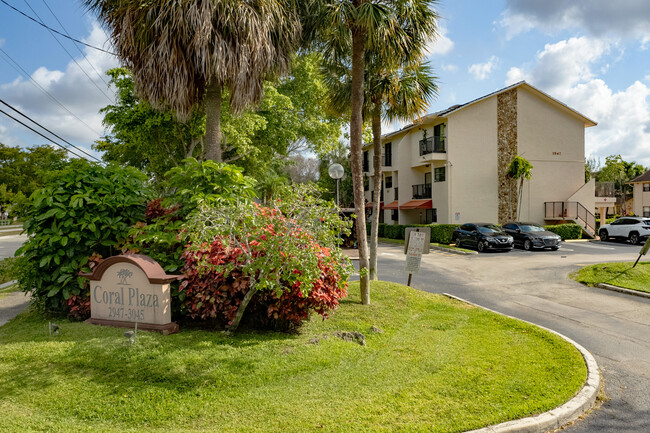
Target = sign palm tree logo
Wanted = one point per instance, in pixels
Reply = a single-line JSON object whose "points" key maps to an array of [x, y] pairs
{"points": [[123, 274]]}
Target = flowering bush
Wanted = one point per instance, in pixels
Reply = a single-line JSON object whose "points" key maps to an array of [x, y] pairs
{"points": [[282, 258]]}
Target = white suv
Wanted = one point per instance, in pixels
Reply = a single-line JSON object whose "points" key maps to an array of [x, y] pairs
{"points": [[635, 229]]}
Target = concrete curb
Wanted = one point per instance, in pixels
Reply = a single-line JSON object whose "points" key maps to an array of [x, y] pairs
{"points": [[623, 290], [7, 284], [561, 415], [452, 251]]}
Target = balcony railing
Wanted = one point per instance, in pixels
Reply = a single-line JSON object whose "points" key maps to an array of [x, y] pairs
{"points": [[432, 144], [605, 189], [422, 191], [571, 210]]}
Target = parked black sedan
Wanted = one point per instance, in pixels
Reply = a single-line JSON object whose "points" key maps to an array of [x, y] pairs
{"points": [[531, 235], [482, 236]]}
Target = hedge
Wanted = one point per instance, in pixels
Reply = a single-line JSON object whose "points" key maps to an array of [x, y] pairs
{"points": [[566, 231], [440, 233]]}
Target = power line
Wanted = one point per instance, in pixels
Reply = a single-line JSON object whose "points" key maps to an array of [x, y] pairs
{"points": [[75, 45], [25, 74], [70, 55], [44, 128], [32, 129], [56, 31]]}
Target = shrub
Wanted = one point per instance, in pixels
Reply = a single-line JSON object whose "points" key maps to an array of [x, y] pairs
{"points": [[395, 231], [441, 233], [286, 252], [82, 211], [566, 231]]}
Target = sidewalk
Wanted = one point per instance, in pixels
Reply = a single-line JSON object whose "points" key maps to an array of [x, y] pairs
{"points": [[12, 305]]}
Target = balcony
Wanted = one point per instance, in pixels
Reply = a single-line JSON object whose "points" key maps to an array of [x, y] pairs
{"points": [[422, 191], [434, 144]]}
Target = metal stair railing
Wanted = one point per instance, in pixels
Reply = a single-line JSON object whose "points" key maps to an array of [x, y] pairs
{"points": [[572, 210]]}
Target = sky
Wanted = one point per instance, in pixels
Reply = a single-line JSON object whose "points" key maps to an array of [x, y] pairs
{"points": [[593, 55]]}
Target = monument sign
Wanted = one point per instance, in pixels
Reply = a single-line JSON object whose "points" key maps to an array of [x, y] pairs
{"points": [[130, 289]]}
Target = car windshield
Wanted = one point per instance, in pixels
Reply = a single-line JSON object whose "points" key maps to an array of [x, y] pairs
{"points": [[531, 228], [489, 229]]}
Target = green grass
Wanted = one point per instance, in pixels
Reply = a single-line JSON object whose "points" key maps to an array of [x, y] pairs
{"points": [[620, 274], [439, 365]]}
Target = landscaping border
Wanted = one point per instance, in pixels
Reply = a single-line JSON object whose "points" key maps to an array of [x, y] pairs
{"points": [[622, 290], [561, 415]]}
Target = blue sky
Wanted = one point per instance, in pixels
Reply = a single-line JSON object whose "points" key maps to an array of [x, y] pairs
{"points": [[592, 55]]}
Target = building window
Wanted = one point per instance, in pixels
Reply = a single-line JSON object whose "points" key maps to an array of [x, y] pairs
{"points": [[439, 174], [646, 211], [381, 216], [366, 183], [431, 216], [646, 187], [395, 215], [366, 164], [388, 154], [389, 181]]}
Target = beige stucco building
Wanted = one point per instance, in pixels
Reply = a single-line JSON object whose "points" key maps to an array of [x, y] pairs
{"points": [[450, 166], [641, 195]]}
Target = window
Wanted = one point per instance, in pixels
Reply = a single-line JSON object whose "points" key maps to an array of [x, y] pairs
{"points": [[395, 215], [431, 216], [388, 154], [646, 187], [510, 226], [366, 165], [389, 181], [646, 211], [381, 216], [366, 183], [439, 174]]}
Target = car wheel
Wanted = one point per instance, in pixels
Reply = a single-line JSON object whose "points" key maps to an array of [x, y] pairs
{"points": [[458, 242], [480, 247], [603, 235], [528, 245], [634, 238]]}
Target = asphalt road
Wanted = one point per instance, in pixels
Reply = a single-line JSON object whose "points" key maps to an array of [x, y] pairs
{"points": [[13, 303], [9, 245], [534, 286]]}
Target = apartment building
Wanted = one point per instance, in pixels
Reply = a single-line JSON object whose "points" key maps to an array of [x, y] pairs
{"points": [[641, 204], [450, 166]]}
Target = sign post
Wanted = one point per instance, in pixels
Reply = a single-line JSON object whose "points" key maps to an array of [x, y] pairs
{"points": [[417, 243], [644, 250]]}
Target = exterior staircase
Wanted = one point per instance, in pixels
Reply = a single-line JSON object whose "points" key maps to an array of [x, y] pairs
{"points": [[571, 211]]}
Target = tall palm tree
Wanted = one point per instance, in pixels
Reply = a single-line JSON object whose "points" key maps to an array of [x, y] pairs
{"points": [[380, 37], [184, 53]]}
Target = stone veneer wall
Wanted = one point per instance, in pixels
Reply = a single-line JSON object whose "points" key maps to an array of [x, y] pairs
{"points": [[506, 151]]}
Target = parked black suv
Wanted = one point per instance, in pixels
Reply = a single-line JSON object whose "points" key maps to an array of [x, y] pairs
{"points": [[531, 235], [482, 236]]}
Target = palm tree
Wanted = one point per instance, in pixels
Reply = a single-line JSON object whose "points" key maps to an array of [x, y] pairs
{"points": [[184, 53], [519, 169], [382, 37]]}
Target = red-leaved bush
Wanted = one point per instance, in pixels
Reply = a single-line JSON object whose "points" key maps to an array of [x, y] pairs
{"points": [[210, 294], [79, 305]]}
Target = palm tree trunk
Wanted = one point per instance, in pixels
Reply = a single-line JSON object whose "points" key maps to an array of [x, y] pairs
{"points": [[213, 122], [356, 156], [376, 160]]}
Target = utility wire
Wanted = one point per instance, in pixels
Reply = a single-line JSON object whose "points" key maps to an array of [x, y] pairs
{"points": [[99, 74], [70, 55], [56, 31], [32, 129], [44, 128], [25, 74]]}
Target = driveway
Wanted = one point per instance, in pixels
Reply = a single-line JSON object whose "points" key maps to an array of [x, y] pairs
{"points": [[534, 286], [13, 303]]}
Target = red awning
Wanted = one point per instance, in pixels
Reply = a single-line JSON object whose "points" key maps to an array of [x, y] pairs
{"points": [[392, 205], [417, 204]]}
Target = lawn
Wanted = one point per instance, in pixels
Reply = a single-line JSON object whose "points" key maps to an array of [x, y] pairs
{"points": [[434, 365], [620, 274]]}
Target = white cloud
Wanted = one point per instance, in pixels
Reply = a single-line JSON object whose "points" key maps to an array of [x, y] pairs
{"points": [[622, 18], [72, 89], [441, 45], [565, 71], [481, 71], [449, 68]]}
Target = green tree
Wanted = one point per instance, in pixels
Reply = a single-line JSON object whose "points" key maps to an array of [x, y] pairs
{"points": [[184, 54], [384, 30], [519, 169], [620, 172]]}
